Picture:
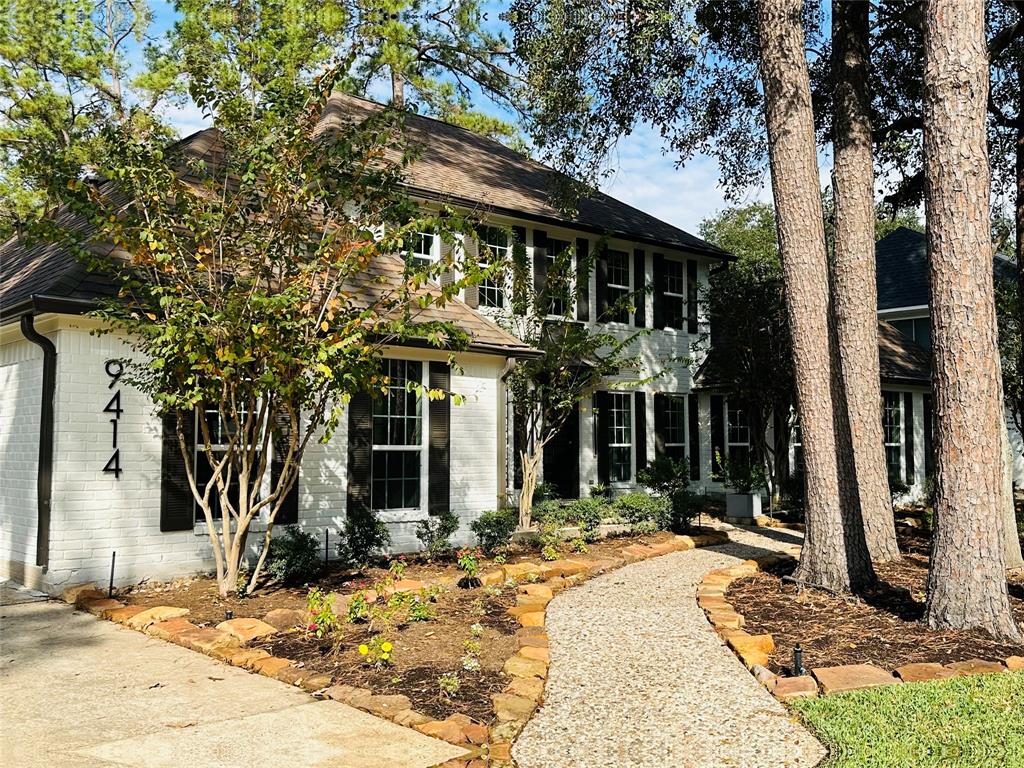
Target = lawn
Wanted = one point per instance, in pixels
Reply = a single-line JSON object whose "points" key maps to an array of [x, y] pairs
{"points": [[973, 721]]}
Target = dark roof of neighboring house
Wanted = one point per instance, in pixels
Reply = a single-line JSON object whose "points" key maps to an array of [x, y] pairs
{"points": [[901, 269], [900, 360], [49, 277], [466, 168]]}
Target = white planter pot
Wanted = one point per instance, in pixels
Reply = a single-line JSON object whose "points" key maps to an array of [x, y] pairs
{"points": [[743, 505]]}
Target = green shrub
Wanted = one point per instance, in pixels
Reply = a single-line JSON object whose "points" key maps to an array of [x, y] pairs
{"points": [[670, 479], [435, 534], [587, 514], [363, 536], [295, 557], [550, 540], [494, 529], [549, 511], [642, 511]]}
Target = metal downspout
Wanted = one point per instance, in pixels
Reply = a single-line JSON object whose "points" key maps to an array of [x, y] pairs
{"points": [[44, 473]]}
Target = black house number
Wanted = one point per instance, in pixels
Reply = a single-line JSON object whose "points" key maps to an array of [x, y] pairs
{"points": [[114, 369]]}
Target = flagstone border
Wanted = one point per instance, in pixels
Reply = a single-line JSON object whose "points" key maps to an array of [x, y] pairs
{"points": [[536, 585], [754, 650]]}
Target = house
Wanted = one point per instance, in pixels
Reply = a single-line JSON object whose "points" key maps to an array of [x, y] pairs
{"points": [[83, 479]]}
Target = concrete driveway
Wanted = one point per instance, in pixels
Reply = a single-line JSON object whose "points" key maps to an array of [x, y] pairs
{"points": [[80, 693]]}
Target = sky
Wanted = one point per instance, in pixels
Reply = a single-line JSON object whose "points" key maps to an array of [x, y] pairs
{"points": [[642, 174]]}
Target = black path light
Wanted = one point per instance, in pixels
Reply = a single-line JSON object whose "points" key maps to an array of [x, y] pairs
{"points": [[798, 661], [113, 559]]}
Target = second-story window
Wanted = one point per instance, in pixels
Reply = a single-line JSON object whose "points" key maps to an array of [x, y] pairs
{"points": [[675, 294], [618, 287], [422, 251], [558, 282], [494, 247]]}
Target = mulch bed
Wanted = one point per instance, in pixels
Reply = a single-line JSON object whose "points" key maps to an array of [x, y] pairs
{"points": [[883, 627], [423, 650]]}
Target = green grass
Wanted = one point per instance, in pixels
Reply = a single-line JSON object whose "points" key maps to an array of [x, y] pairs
{"points": [[965, 721]]}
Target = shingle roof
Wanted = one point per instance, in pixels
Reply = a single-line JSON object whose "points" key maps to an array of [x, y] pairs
{"points": [[52, 275], [467, 168], [901, 269], [900, 359]]}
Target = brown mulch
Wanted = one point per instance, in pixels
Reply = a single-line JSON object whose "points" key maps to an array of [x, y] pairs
{"points": [[423, 650], [883, 627]]}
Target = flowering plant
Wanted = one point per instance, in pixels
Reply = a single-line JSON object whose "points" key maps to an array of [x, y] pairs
{"points": [[377, 652], [469, 560], [320, 607]]}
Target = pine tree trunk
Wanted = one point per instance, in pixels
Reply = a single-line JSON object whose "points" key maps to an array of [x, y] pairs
{"points": [[832, 557], [966, 582], [854, 294], [397, 86]]}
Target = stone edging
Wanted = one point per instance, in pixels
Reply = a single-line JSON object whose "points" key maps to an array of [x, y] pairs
{"points": [[754, 650], [536, 585]]}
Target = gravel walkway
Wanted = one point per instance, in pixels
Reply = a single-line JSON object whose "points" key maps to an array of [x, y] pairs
{"points": [[639, 678]]}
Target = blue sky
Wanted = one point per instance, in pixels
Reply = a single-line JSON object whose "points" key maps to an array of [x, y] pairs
{"points": [[642, 175]]}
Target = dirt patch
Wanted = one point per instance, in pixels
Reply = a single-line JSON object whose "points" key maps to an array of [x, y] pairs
{"points": [[423, 650], [883, 627]]}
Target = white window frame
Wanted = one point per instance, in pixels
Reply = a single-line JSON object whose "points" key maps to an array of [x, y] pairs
{"points": [[419, 258], [730, 443], [630, 426], [549, 259], [900, 427], [673, 295], [421, 447], [502, 252], [684, 408], [199, 454], [619, 286]]}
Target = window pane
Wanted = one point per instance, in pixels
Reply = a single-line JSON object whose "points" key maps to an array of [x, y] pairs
{"points": [[675, 421]]}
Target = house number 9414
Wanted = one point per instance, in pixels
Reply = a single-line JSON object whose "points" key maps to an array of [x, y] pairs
{"points": [[114, 369]]}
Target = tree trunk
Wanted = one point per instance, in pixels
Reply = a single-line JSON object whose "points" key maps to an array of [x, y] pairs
{"points": [[966, 582], [532, 462], [831, 557], [397, 86], [861, 448], [1011, 541]]}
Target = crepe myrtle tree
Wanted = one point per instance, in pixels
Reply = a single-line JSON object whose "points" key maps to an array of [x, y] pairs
{"points": [[259, 286], [577, 357]]}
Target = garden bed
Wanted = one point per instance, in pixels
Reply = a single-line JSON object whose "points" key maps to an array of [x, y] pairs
{"points": [[883, 627]]}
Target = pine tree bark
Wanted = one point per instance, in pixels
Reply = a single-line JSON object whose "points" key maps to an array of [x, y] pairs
{"points": [[966, 581], [861, 449], [834, 556]]}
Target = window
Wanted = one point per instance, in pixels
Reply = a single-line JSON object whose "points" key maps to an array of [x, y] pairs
{"points": [[220, 436], [737, 436], [919, 329], [558, 284], [421, 253], [620, 438], [675, 427], [618, 286], [674, 295], [494, 240], [398, 439], [892, 433], [797, 441]]}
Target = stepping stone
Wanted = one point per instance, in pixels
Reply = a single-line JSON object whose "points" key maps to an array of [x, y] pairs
{"points": [[246, 630], [521, 666], [101, 606], [537, 590], [764, 676], [539, 640], [1014, 663], [501, 751], [270, 666], [410, 718], [851, 677], [492, 578], [535, 619], [446, 730], [540, 654], [532, 600], [286, 618], [976, 667], [385, 706], [313, 683], [510, 707], [531, 688], [123, 615], [741, 642], [475, 733], [921, 672], [726, 619], [683, 543], [165, 630], [70, 594], [403, 585], [157, 613], [346, 693], [205, 640], [788, 688], [247, 657], [520, 570]]}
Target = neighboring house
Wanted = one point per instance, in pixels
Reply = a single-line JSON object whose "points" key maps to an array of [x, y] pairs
{"points": [[901, 261], [77, 487]]}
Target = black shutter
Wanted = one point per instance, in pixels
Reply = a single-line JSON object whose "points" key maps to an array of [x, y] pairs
{"points": [[471, 251], [562, 457], [177, 504], [601, 275], [518, 443], [660, 421], [717, 435], [519, 299], [439, 447], [640, 431], [519, 233], [691, 296], [659, 291], [640, 287], [540, 264], [582, 279], [782, 461], [693, 428], [929, 445], [908, 442], [602, 403], [288, 514], [360, 449]]}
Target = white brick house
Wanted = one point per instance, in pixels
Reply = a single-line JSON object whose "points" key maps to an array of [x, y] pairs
{"points": [[66, 504]]}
